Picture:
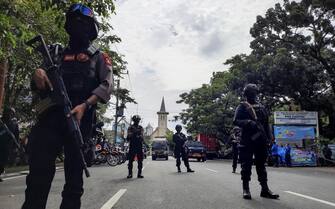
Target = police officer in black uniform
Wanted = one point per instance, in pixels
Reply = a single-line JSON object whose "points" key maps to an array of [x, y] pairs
{"points": [[6, 137], [179, 151], [88, 77], [252, 117], [136, 138], [235, 140], [11, 121]]}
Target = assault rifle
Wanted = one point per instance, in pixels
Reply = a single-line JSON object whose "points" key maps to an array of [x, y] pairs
{"points": [[59, 94]]}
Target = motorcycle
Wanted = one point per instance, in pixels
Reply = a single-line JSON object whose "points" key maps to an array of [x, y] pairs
{"points": [[105, 153]]}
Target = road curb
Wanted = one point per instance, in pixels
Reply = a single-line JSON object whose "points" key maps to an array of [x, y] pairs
{"points": [[25, 172]]}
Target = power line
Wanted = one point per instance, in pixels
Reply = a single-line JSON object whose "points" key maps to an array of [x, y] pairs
{"points": [[130, 83], [154, 110], [132, 93]]}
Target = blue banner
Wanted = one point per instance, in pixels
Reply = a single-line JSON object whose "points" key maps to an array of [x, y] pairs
{"points": [[294, 132], [303, 158]]}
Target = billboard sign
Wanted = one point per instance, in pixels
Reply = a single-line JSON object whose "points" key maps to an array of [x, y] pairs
{"points": [[296, 118], [294, 132]]}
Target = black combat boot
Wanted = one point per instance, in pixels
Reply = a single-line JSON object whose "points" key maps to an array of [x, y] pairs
{"points": [[189, 170], [178, 167], [139, 174], [234, 170], [267, 193], [130, 175], [246, 190]]}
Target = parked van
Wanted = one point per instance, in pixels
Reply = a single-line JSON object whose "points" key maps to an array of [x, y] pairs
{"points": [[160, 148]]}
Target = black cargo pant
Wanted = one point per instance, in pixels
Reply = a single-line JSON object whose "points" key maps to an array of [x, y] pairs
{"points": [[47, 139], [4, 150], [235, 157], [246, 153], [5, 142], [132, 154], [183, 155]]}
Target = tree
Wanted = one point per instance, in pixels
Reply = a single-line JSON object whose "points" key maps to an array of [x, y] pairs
{"points": [[292, 60], [211, 107], [299, 39], [20, 21], [14, 33]]}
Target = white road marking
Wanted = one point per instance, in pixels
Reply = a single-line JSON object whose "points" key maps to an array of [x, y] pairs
{"points": [[112, 201], [212, 170], [312, 198], [14, 177]]}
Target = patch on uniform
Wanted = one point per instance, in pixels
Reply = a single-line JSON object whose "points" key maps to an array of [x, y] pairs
{"points": [[107, 59], [82, 57], [69, 57]]}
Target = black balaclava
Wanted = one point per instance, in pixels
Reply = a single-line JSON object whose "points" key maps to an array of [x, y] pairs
{"points": [[178, 128], [81, 25], [80, 32]]}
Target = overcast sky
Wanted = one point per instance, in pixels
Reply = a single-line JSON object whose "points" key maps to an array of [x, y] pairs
{"points": [[172, 46]]}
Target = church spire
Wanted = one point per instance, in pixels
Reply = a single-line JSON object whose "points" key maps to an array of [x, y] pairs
{"points": [[163, 110], [163, 106]]}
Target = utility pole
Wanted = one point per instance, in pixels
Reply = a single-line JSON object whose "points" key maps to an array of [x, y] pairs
{"points": [[116, 108]]}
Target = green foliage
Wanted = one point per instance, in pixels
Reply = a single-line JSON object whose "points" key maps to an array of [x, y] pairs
{"points": [[124, 97], [211, 107], [294, 48], [292, 60], [21, 20]]}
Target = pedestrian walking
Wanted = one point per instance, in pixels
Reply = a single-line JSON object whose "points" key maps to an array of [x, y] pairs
{"points": [[288, 155], [275, 154]]}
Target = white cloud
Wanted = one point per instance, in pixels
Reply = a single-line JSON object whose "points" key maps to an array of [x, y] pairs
{"points": [[173, 46]]}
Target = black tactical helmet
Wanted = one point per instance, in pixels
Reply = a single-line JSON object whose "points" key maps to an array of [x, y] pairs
{"points": [[250, 90], [136, 118], [86, 15], [178, 127]]}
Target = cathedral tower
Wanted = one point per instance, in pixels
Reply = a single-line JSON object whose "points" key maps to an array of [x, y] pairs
{"points": [[162, 120]]}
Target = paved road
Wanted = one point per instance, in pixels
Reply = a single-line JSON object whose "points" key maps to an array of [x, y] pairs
{"points": [[213, 186]]}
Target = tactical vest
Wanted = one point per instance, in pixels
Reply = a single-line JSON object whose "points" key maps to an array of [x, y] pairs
{"points": [[252, 135], [260, 112], [80, 76], [135, 140]]}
